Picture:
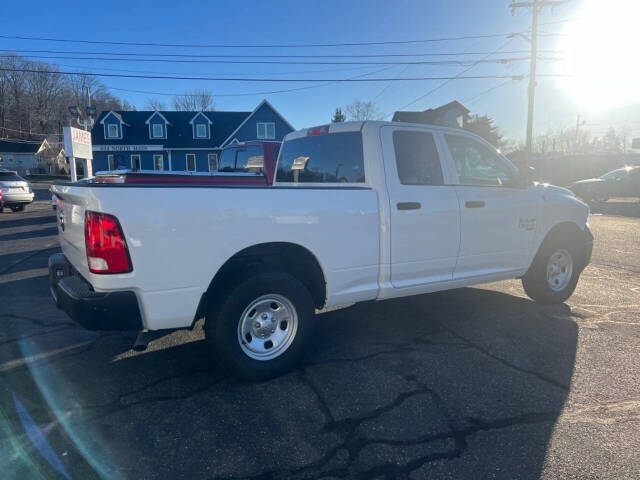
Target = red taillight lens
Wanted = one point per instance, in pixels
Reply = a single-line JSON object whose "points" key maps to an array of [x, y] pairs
{"points": [[322, 130], [106, 247]]}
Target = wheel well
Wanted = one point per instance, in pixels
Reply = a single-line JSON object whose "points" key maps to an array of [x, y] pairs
{"points": [[287, 257], [566, 230]]}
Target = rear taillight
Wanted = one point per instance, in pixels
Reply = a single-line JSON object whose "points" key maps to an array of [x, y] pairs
{"points": [[321, 130], [106, 247]]}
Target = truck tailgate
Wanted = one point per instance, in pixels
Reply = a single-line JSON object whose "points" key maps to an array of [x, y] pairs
{"points": [[70, 217]]}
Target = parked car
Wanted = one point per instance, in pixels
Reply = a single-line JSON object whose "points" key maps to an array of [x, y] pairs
{"points": [[622, 182], [16, 191], [358, 211]]}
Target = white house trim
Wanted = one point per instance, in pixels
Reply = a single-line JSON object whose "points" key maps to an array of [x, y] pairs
{"points": [[264, 102], [166, 124], [193, 126], [104, 125], [157, 112]]}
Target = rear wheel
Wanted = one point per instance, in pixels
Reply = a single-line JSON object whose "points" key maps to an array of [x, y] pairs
{"points": [[259, 329], [554, 274], [17, 208], [600, 197]]}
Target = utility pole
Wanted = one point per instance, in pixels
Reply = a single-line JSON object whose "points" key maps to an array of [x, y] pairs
{"points": [[575, 140], [536, 6]]}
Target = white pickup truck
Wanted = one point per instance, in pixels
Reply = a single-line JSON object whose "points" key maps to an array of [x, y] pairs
{"points": [[358, 211]]}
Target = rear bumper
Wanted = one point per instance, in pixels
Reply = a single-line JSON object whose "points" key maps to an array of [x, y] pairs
{"points": [[16, 198], [93, 310]]}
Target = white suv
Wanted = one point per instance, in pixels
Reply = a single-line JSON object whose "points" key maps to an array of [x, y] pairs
{"points": [[16, 191]]}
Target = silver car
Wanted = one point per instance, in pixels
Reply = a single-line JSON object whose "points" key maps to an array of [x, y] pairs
{"points": [[16, 191]]}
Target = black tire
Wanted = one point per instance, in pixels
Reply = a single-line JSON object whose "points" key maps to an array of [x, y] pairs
{"points": [[17, 208], [224, 316], [535, 281], [600, 197]]}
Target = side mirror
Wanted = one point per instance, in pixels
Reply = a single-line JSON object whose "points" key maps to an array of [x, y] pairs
{"points": [[524, 178]]}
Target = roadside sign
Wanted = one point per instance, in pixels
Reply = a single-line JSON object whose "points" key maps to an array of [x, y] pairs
{"points": [[77, 143]]}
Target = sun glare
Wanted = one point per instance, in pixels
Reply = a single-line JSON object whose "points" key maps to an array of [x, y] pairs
{"points": [[601, 54]]}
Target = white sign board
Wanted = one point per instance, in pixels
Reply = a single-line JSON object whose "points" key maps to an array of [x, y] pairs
{"points": [[77, 143]]}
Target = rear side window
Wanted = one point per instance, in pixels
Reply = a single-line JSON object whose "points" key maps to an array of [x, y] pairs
{"points": [[242, 159], [331, 158], [10, 177], [417, 158]]}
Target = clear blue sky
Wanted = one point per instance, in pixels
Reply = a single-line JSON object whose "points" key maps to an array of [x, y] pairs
{"points": [[268, 22]]}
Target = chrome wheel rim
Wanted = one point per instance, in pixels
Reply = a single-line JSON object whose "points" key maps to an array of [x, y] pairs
{"points": [[559, 270], [267, 327]]}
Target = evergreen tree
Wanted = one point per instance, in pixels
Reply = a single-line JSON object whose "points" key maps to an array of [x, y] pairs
{"points": [[338, 116]]}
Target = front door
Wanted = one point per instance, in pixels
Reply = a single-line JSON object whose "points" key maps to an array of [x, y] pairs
{"points": [[498, 220], [424, 213]]}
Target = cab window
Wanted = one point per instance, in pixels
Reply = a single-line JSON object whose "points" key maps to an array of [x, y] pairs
{"points": [[417, 158], [247, 159], [478, 165]]}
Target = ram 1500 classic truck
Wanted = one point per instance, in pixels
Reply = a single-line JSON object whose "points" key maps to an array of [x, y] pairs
{"points": [[357, 211]]}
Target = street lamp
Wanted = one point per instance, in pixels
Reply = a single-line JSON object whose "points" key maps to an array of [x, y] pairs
{"points": [[87, 123]]}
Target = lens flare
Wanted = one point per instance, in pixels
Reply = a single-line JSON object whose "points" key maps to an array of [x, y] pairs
{"points": [[601, 55]]}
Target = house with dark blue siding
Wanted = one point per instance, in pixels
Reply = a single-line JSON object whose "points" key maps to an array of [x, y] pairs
{"points": [[178, 141]]}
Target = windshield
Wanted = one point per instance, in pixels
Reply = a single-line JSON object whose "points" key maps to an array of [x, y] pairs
{"points": [[615, 174]]}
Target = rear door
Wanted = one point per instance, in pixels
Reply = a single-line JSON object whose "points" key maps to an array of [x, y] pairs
{"points": [[424, 212], [498, 220]]}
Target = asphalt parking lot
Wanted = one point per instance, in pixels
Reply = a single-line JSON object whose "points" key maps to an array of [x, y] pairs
{"points": [[471, 383]]}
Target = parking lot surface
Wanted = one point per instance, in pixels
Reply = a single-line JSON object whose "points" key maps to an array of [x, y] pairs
{"points": [[472, 383]]}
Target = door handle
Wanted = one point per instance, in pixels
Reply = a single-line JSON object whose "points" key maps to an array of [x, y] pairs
{"points": [[408, 205], [474, 204]]}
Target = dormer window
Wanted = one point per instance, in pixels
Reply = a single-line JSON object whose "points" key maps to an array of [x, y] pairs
{"points": [[201, 130], [112, 130], [201, 126], [266, 130], [113, 125], [158, 125], [157, 130]]}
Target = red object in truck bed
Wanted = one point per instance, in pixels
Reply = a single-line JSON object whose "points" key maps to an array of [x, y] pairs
{"points": [[269, 149]]}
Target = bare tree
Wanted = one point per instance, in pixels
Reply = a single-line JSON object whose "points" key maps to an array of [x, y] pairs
{"points": [[194, 100], [155, 104], [360, 110], [34, 100]]}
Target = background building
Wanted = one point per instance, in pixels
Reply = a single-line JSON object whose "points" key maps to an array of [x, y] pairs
{"points": [[452, 114], [22, 156], [178, 140]]}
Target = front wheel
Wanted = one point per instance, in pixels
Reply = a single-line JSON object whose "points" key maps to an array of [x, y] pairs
{"points": [[554, 274], [259, 329], [17, 208]]}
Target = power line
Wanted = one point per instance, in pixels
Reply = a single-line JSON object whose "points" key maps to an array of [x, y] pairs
{"points": [[471, 99], [285, 45], [244, 79], [274, 62], [29, 133], [448, 80], [182, 55]]}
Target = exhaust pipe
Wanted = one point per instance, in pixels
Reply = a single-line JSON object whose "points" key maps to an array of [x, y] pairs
{"points": [[142, 340]]}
